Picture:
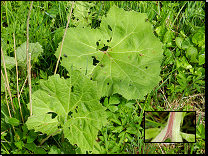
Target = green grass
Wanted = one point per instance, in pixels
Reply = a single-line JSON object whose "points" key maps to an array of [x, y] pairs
{"points": [[181, 87]]}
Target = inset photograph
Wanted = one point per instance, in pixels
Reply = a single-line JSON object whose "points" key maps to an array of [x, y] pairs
{"points": [[170, 126]]}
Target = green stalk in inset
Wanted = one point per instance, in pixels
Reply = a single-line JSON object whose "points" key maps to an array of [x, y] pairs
{"points": [[172, 129]]}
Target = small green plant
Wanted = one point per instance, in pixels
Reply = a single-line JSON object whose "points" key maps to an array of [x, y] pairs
{"points": [[123, 127]]}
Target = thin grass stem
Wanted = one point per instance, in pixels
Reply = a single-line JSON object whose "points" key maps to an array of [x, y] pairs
{"points": [[5, 148], [28, 61], [23, 87], [63, 39], [49, 136], [177, 15], [7, 81], [17, 80], [6, 98], [5, 85], [29, 81]]}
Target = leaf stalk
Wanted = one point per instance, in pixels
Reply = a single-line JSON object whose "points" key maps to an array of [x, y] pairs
{"points": [[63, 39], [7, 81], [172, 129], [18, 97], [28, 61]]}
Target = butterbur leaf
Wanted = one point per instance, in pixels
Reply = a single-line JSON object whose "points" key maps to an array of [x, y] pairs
{"points": [[34, 48], [126, 52], [75, 107]]}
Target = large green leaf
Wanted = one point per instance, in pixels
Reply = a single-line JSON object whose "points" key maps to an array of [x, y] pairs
{"points": [[128, 53], [75, 102]]}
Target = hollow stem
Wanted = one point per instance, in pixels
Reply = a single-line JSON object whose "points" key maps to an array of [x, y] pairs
{"points": [[172, 129]]}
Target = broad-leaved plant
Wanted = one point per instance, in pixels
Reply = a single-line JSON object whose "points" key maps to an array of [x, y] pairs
{"points": [[121, 56]]}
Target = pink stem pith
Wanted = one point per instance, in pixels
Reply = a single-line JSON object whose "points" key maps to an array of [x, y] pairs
{"points": [[170, 126]]}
